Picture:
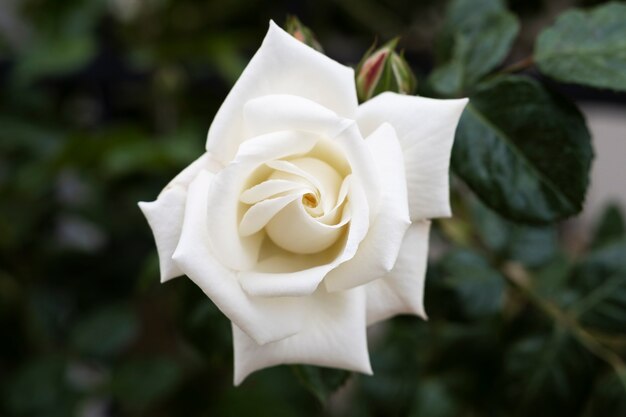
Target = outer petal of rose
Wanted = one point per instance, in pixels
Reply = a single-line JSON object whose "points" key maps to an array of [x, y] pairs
{"points": [[378, 251], [165, 214], [277, 112], [401, 290], [362, 165], [425, 128], [282, 65], [262, 319], [334, 336]]}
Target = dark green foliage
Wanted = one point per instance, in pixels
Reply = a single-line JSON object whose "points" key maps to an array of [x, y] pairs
{"points": [[506, 143], [586, 47], [549, 370], [600, 282], [140, 383], [533, 246], [322, 382], [476, 38], [608, 397], [433, 399], [479, 286], [105, 332], [39, 388], [610, 227]]}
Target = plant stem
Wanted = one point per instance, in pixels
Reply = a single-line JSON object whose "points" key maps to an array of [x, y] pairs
{"points": [[518, 66], [520, 279]]}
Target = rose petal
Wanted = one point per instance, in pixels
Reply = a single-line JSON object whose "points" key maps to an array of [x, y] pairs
{"points": [[294, 172], [282, 65], [294, 230], [401, 291], [282, 284], [330, 216], [289, 274], [165, 214], [276, 112], [361, 162], [234, 251], [268, 189], [334, 335], [258, 215], [378, 252], [425, 128], [263, 319]]}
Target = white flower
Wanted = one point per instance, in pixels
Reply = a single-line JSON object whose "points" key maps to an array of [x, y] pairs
{"points": [[307, 218]]}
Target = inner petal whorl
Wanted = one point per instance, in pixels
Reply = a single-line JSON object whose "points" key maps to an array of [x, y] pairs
{"points": [[311, 219], [323, 177]]}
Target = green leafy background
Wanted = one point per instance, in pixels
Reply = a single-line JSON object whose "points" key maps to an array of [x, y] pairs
{"points": [[103, 101]]}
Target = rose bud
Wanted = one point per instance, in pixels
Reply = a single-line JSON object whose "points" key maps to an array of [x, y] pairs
{"points": [[384, 70], [295, 28]]}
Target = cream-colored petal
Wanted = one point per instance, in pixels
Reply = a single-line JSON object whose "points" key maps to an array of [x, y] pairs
{"points": [[258, 215], [290, 274], [334, 335], [165, 214], [361, 162], [425, 128], [262, 319], [293, 172], [401, 291], [277, 112], [378, 252], [282, 65], [331, 216], [294, 230], [327, 178], [269, 189], [233, 250], [357, 210], [165, 217], [301, 283]]}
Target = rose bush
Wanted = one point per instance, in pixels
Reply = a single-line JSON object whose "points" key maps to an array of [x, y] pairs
{"points": [[307, 218]]}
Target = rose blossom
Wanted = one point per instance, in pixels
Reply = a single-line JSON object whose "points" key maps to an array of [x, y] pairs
{"points": [[307, 218]]}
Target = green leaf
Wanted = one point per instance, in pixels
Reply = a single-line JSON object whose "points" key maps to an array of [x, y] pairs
{"points": [[546, 374], [131, 150], [54, 56], [492, 229], [550, 281], [600, 281], [479, 286], [524, 151], [608, 398], [321, 382], [40, 388], [477, 36], [434, 399], [397, 359], [605, 307], [533, 246], [610, 227], [106, 332], [586, 47], [604, 262], [141, 383]]}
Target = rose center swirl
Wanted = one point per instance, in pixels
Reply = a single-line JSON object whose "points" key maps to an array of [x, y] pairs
{"points": [[301, 205]]}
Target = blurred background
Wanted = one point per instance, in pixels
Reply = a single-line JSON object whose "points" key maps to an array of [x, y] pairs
{"points": [[102, 102]]}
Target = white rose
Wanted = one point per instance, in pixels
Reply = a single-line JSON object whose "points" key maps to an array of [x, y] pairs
{"points": [[307, 218]]}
